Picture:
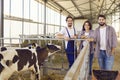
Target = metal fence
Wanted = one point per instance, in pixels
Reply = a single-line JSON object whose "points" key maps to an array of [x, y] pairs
{"points": [[79, 70]]}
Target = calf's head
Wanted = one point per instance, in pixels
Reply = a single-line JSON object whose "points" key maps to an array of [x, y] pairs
{"points": [[52, 48], [42, 53]]}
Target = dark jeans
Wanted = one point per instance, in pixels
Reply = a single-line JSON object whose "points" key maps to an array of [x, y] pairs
{"points": [[71, 52], [71, 58], [90, 63]]}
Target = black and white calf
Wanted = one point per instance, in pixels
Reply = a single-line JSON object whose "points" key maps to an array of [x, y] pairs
{"points": [[22, 59]]}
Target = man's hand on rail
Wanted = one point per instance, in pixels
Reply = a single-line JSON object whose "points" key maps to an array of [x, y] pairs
{"points": [[66, 38]]}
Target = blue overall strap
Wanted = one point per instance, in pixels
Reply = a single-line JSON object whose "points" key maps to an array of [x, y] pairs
{"points": [[69, 33], [74, 31]]}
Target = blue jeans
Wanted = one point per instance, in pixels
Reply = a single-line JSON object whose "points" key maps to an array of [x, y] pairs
{"points": [[90, 63], [105, 62]]}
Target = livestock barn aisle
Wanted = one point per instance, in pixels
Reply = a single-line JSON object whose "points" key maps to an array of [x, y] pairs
{"points": [[116, 63], [31, 21]]}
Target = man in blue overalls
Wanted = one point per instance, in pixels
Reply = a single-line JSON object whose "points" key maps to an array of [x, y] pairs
{"points": [[69, 33]]}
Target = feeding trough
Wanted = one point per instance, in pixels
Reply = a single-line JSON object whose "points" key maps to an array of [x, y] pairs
{"points": [[105, 74]]}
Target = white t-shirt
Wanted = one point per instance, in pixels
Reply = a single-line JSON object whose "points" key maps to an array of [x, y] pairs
{"points": [[85, 42], [64, 32], [103, 38], [87, 34]]}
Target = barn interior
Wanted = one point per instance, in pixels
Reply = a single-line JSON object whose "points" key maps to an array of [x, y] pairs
{"points": [[23, 22]]}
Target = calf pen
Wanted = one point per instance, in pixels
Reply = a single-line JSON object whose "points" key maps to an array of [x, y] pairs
{"points": [[79, 70]]}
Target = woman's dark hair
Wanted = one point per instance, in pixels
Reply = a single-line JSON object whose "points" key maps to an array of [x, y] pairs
{"points": [[89, 23]]}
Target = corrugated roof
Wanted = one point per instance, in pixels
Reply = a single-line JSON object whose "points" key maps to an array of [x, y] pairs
{"points": [[84, 8]]}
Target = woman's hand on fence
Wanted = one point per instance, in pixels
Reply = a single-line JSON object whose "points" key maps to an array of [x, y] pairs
{"points": [[90, 39]]}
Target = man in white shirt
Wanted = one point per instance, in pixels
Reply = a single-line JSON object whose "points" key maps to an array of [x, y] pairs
{"points": [[69, 33], [106, 42]]}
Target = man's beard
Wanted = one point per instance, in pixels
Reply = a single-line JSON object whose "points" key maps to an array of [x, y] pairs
{"points": [[69, 25], [101, 24]]}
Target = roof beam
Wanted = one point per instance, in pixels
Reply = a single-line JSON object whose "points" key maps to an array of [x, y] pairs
{"points": [[115, 2], [61, 8], [77, 7], [90, 9], [101, 7], [81, 4], [61, 0], [86, 2], [110, 7], [114, 9]]}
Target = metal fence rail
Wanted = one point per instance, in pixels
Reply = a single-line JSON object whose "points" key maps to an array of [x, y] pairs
{"points": [[20, 40]]}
